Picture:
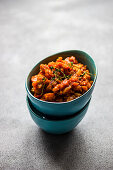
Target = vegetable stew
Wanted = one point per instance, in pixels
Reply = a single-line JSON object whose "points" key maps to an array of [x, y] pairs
{"points": [[61, 81]]}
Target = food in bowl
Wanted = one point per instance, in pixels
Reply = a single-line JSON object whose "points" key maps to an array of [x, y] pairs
{"points": [[61, 81], [60, 109]]}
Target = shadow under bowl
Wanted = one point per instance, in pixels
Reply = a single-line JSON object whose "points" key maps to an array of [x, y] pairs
{"points": [[63, 108], [55, 125]]}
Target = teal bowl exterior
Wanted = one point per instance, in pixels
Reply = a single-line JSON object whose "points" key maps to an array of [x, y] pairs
{"points": [[63, 108], [56, 126]]}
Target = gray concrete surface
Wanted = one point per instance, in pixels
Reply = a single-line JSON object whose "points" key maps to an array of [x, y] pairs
{"points": [[29, 31]]}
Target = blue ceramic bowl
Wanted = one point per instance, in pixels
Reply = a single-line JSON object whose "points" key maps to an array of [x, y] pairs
{"points": [[56, 125], [63, 108]]}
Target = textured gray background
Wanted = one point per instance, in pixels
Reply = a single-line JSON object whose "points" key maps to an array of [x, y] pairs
{"points": [[29, 31]]}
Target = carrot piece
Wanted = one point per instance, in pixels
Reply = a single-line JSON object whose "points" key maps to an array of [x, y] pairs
{"points": [[49, 96], [84, 88]]}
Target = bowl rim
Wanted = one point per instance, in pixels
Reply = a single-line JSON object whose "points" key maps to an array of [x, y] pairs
{"points": [[43, 117], [59, 103]]}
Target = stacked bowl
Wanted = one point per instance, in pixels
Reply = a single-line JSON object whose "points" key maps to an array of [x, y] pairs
{"points": [[60, 117]]}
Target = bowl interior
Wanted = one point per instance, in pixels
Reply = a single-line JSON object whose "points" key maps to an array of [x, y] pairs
{"points": [[81, 56], [52, 118]]}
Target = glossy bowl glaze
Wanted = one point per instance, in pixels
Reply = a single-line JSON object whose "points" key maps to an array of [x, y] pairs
{"points": [[56, 125], [63, 108]]}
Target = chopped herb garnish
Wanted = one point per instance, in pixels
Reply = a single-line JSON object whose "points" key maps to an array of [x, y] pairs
{"points": [[71, 63], [63, 74], [44, 79], [51, 67], [53, 78], [68, 76], [58, 70], [89, 73], [42, 89], [83, 74], [57, 76]]}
